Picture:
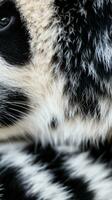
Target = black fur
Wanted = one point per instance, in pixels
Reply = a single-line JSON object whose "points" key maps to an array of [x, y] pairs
{"points": [[52, 161], [14, 41], [55, 163], [83, 26], [14, 187], [13, 106]]}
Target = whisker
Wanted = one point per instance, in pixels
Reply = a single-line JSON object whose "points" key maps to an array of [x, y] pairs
{"points": [[10, 120], [13, 118], [3, 122], [19, 103], [27, 109], [18, 111]]}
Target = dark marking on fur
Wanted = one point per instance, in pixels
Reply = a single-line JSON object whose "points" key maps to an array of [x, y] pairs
{"points": [[47, 156], [14, 105], [83, 26], [14, 41], [54, 123], [12, 187], [101, 152]]}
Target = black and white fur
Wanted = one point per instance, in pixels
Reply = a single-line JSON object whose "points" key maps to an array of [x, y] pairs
{"points": [[56, 87], [55, 73], [29, 172]]}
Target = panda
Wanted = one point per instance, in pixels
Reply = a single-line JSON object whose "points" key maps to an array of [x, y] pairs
{"points": [[55, 99]]}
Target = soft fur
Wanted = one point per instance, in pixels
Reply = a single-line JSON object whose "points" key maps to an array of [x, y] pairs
{"points": [[67, 75], [56, 88], [29, 172]]}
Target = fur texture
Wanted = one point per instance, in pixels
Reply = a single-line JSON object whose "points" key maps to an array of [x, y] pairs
{"points": [[56, 87], [65, 78], [29, 172]]}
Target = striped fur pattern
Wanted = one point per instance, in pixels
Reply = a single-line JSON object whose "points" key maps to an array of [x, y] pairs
{"points": [[56, 87], [30, 172]]}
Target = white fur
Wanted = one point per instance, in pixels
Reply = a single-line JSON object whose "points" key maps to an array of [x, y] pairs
{"points": [[95, 174], [104, 50], [35, 179], [46, 92]]}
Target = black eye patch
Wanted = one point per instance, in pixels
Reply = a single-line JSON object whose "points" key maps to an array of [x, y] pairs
{"points": [[14, 36]]}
